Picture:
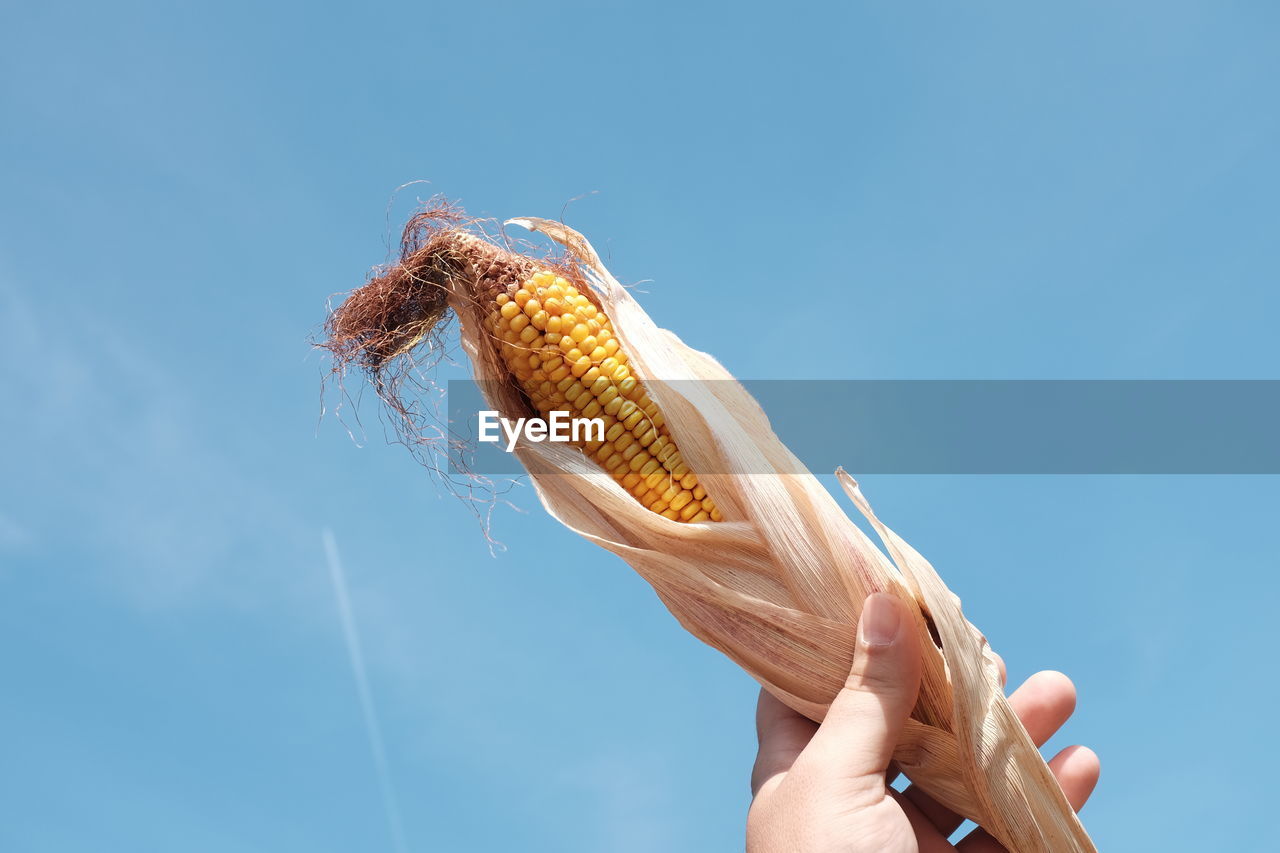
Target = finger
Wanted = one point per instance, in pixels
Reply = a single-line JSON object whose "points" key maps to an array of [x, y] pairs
{"points": [[857, 738], [1076, 768], [783, 734], [1043, 703]]}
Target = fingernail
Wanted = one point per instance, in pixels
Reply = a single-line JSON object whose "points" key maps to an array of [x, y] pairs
{"points": [[881, 620]]}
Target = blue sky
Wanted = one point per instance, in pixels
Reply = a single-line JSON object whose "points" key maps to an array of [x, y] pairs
{"points": [[875, 191]]}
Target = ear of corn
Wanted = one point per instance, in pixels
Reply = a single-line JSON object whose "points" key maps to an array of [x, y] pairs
{"points": [[779, 588], [562, 351]]}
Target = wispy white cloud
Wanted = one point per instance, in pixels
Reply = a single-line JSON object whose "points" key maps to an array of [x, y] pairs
{"points": [[630, 807], [12, 534], [110, 447]]}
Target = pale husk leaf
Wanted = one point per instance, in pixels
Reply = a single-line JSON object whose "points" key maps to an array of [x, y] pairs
{"points": [[778, 585], [1004, 771]]}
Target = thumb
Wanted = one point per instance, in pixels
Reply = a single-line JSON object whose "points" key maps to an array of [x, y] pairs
{"points": [[857, 738]]}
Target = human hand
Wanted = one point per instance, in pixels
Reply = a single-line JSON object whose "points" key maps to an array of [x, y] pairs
{"points": [[825, 788]]}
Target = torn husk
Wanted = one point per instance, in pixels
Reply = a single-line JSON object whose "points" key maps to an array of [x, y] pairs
{"points": [[778, 584]]}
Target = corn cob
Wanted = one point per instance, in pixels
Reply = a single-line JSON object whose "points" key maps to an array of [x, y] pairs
{"points": [[562, 351]]}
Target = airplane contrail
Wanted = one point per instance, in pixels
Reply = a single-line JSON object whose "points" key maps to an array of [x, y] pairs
{"points": [[356, 656]]}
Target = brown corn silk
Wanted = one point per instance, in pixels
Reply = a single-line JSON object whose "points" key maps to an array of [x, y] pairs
{"points": [[779, 583]]}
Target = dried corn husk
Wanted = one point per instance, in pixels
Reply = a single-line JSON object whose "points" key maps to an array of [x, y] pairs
{"points": [[778, 585]]}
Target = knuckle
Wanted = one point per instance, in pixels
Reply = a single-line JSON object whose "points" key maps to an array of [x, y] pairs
{"points": [[875, 679]]}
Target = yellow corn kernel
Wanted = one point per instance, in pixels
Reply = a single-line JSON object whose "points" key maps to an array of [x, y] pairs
{"points": [[562, 351]]}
